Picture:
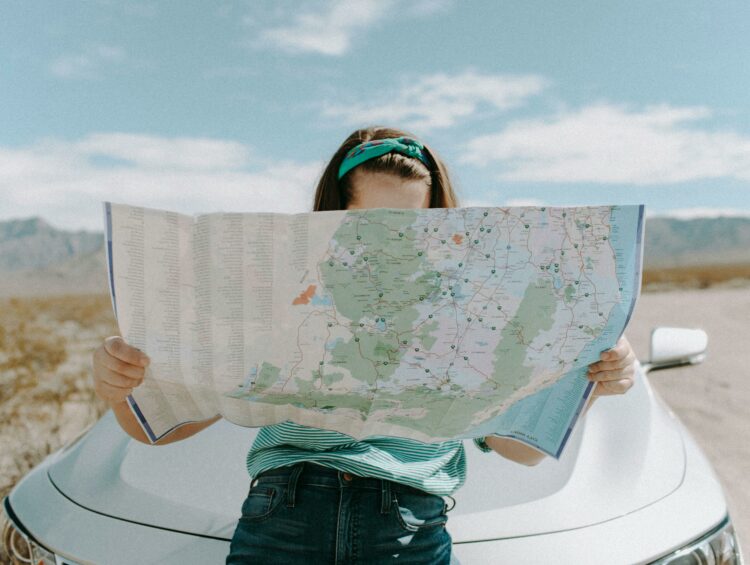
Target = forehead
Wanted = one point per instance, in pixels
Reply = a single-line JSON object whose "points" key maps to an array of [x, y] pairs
{"points": [[385, 181], [383, 190]]}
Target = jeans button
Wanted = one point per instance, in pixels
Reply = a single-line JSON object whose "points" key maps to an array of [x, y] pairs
{"points": [[347, 477]]}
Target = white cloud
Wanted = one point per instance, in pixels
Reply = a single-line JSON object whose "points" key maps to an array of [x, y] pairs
{"points": [[65, 182], [88, 63], [439, 100], [702, 212], [174, 153], [607, 143], [327, 29]]}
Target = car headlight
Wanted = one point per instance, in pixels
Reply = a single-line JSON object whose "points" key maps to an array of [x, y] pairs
{"points": [[717, 547], [21, 547]]}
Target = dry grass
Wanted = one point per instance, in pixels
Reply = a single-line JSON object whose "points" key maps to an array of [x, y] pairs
{"points": [[46, 386], [696, 277]]}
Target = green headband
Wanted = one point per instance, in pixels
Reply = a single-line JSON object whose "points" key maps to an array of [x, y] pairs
{"points": [[377, 147]]}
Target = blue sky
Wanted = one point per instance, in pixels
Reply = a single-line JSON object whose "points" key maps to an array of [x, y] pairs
{"points": [[205, 106]]}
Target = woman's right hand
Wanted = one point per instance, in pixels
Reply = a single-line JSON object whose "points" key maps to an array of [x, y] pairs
{"points": [[118, 369]]}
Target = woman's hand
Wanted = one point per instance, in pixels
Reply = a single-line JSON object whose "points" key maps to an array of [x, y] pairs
{"points": [[615, 373], [118, 369]]}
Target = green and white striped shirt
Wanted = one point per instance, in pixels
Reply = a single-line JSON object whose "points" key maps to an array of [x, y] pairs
{"points": [[438, 468]]}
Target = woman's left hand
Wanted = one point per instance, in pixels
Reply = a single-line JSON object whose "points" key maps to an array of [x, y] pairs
{"points": [[615, 373]]}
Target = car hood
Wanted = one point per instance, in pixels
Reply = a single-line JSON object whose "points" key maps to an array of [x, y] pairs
{"points": [[625, 454]]}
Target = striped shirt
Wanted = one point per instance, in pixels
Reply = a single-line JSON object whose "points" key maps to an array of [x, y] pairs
{"points": [[438, 468]]}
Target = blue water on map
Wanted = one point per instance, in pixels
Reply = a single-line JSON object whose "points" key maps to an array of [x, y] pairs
{"points": [[321, 301], [250, 379], [331, 345]]}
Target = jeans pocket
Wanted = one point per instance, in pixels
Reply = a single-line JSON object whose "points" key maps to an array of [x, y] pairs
{"points": [[261, 501], [415, 511]]}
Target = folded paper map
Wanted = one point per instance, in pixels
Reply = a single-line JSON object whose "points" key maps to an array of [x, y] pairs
{"points": [[430, 324]]}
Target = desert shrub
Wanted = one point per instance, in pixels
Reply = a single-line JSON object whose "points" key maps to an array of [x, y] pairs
{"points": [[704, 276], [46, 386]]}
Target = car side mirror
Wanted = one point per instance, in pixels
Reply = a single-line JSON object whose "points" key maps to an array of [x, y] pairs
{"points": [[674, 347]]}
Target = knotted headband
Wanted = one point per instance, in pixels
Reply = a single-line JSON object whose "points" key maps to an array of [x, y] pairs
{"points": [[377, 147]]}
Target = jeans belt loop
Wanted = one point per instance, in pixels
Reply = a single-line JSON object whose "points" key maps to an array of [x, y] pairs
{"points": [[385, 496], [291, 490], [452, 506]]}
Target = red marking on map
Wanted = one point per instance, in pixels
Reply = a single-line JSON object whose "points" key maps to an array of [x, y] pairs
{"points": [[305, 297], [457, 238]]}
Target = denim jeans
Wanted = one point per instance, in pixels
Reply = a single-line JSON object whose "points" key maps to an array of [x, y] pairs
{"points": [[307, 513]]}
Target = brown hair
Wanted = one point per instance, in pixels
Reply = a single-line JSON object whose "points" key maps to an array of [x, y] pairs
{"points": [[335, 194]]}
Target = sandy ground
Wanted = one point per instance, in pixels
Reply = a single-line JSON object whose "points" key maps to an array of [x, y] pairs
{"points": [[711, 399]]}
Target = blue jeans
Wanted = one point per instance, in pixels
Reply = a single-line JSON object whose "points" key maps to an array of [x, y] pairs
{"points": [[307, 513]]}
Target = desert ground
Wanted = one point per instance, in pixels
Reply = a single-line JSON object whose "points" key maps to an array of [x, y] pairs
{"points": [[46, 394]]}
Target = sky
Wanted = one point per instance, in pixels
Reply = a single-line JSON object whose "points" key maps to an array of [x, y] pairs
{"points": [[200, 106]]}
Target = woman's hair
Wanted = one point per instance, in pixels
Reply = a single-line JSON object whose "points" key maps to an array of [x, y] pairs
{"points": [[335, 194]]}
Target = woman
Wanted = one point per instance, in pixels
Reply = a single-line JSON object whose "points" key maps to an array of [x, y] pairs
{"points": [[320, 496]]}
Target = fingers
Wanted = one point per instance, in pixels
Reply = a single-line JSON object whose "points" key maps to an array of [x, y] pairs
{"points": [[613, 375], [619, 351], [618, 364], [114, 378], [118, 368], [607, 388], [117, 347], [113, 387], [114, 364], [619, 357]]}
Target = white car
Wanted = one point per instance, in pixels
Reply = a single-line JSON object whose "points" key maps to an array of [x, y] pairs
{"points": [[631, 487]]}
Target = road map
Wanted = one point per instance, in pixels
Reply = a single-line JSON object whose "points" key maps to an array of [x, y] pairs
{"points": [[429, 324]]}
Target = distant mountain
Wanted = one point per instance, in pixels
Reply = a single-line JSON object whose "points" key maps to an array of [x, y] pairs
{"points": [[33, 243], [37, 259], [701, 241]]}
